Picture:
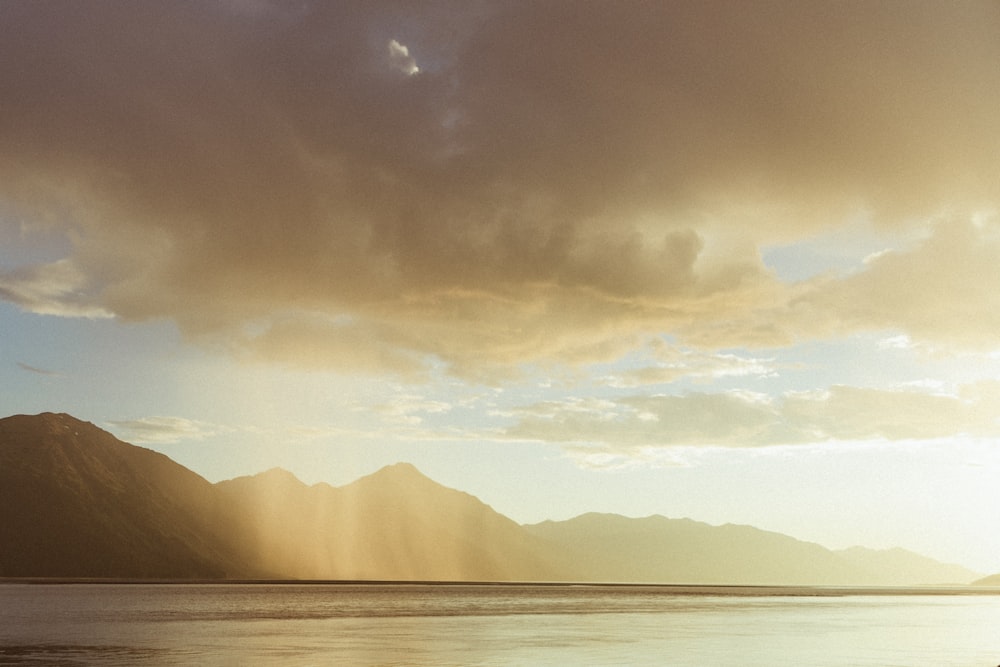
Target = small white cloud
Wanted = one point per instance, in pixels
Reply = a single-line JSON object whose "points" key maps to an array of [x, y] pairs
{"points": [[900, 342], [606, 459], [674, 363], [877, 255], [409, 409], [401, 60]]}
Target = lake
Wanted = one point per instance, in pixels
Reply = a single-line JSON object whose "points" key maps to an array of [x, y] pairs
{"points": [[424, 624]]}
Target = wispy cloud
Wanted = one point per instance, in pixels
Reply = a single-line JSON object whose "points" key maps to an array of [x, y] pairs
{"points": [[636, 426], [674, 362], [59, 288], [411, 409], [163, 430], [37, 370]]}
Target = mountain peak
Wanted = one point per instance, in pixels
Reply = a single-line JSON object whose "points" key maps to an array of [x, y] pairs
{"points": [[52, 421], [273, 478], [278, 474], [401, 468], [50, 417], [397, 473]]}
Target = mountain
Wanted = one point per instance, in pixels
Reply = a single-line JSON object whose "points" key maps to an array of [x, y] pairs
{"points": [[393, 524], [609, 547], [899, 567], [77, 502], [992, 580]]}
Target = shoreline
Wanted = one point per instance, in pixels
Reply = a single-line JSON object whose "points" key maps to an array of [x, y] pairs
{"points": [[694, 589]]}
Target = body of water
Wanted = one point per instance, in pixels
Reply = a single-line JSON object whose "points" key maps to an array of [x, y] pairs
{"points": [[374, 624]]}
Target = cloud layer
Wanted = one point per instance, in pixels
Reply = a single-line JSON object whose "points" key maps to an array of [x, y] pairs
{"points": [[631, 427], [551, 182]]}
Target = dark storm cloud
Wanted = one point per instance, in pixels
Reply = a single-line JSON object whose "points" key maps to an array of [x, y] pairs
{"points": [[483, 183]]}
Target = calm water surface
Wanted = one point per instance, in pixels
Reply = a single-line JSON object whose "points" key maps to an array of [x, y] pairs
{"points": [[324, 624]]}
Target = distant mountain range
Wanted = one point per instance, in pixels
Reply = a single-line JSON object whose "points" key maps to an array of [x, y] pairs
{"points": [[77, 502], [992, 580]]}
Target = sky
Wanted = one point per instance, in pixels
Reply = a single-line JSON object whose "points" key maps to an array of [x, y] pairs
{"points": [[727, 260]]}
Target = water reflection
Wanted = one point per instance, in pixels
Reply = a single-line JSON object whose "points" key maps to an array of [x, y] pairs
{"points": [[488, 625], [72, 654]]}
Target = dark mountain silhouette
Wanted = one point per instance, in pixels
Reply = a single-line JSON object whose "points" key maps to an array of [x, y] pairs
{"points": [[77, 502]]}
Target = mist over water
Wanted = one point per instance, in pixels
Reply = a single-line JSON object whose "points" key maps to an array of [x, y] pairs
{"points": [[291, 624]]}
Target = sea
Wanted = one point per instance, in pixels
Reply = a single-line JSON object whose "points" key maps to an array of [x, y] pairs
{"points": [[479, 624]]}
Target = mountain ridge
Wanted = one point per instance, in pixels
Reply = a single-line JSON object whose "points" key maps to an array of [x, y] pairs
{"points": [[145, 514], [76, 501]]}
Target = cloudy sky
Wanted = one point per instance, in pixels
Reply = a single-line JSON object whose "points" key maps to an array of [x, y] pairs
{"points": [[737, 261]]}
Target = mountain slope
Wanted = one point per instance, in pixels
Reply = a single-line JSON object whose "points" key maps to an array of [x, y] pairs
{"points": [[393, 524], [609, 547], [899, 567], [991, 580], [409, 523], [75, 501]]}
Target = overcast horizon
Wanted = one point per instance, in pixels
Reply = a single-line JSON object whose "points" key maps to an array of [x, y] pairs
{"points": [[732, 261]]}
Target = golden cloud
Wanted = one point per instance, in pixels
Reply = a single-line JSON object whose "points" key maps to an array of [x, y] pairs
{"points": [[560, 182]]}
